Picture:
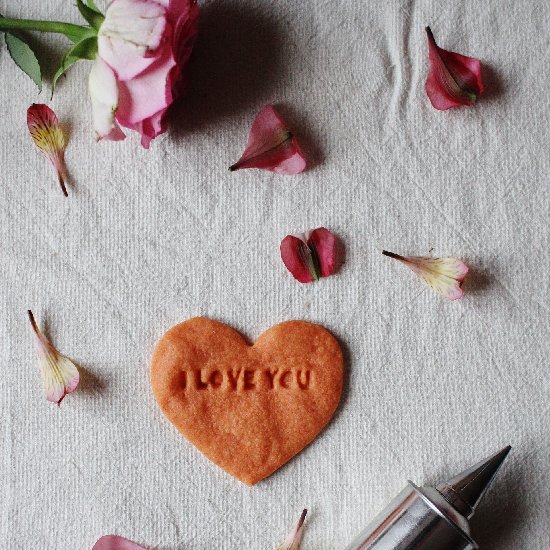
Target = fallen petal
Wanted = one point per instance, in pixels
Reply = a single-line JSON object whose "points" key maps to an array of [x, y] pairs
{"points": [[59, 374], [444, 275], [292, 542], [454, 79], [299, 259], [311, 256], [271, 146], [48, 137], [324, 243], [113, 542]]}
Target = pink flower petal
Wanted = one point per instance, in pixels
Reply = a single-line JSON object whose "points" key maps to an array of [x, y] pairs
{"points": [[271, 146], [324, 242], [309, 257], [59, 374], [146, 94], [113, 542], [131, 36], [186, 13], [48, 137], [150, 128], [454, 79], [146, 45], [294, 538], [297, 258], [103, 88], [444, 275]]}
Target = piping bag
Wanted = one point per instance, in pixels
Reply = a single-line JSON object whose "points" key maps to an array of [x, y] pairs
{"points": [[432, 518]]}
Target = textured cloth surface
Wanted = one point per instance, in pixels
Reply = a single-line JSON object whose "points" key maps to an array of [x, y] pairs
{"points": [[150, 238]]}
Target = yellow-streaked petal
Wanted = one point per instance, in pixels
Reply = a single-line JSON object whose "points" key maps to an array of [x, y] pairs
{"points": [[444, 275], [59, 374], [48, 137], [292, 542]]}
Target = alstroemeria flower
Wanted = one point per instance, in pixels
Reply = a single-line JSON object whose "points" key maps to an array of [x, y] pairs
{"points": [[309, 256], [454, 79], [114, 542], [48, 138], [293, 539], [444, 275], [59, 374], [271, 146], [143, 48]]}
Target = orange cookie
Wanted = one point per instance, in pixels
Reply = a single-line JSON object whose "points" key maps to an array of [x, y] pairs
{"points": [[249, 409]]}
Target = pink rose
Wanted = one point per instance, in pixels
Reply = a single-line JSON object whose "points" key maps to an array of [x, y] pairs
{"points": [[143, 47]]}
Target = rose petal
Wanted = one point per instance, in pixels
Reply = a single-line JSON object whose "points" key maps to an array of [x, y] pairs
{"points": [[131, 34], [147, 45], [309, 257], [59, 374], [48, 137], [103, 89], [271, 146], [113, 542], [186, 13], [146, 94], [444, 275], [454, 79], [150, 128], [293, 539]]}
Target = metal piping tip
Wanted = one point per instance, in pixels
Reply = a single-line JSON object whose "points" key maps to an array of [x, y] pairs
{"points": [[465, 490]]}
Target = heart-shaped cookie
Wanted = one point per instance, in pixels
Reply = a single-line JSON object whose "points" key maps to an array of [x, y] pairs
{"points": [[249, 409]]}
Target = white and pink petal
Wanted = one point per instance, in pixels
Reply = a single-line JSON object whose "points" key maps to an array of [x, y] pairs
{"points": [[444, 275], [147, 94], [294, 538], [103, 88], [131, 35], [59, 374]]}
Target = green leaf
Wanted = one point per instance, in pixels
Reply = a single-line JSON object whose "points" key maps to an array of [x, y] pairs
{"points": [[85, 49], [77, 36], [91, 4], [91, 14], [24, 57], [75, 33]]}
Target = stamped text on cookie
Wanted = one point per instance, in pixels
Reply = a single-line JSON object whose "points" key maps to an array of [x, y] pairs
{"points": [[238, 379]]}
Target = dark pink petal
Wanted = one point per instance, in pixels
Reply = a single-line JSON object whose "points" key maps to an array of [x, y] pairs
{"points": [[309, 257], [454, 79], [295, 253], [271, 146], [184, 15], [113, 542], [323, 242]]}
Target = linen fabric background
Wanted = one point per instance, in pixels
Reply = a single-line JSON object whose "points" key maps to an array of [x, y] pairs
{"points": [[150, 238]]}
